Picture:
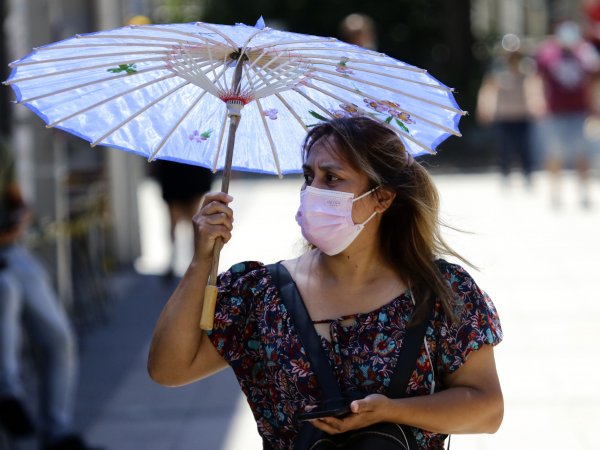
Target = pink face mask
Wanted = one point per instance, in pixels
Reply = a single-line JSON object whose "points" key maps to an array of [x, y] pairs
{"points": [[325, 218]]}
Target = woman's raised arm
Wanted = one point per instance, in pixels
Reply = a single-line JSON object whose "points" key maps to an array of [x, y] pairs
{"points": [[180, 352]]}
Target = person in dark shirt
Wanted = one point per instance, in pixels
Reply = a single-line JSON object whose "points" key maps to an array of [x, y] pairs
{"points": [[182, 187]]}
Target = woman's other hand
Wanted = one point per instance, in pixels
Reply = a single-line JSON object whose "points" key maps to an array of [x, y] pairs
{"points": [[213, 221], [365, 412]]}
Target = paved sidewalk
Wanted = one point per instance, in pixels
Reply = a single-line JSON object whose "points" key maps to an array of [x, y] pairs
{"points": [[121, 408], [538, 264]]}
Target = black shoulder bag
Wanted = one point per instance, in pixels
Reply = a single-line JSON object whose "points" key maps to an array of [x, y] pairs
{"points": [[381, 436]]}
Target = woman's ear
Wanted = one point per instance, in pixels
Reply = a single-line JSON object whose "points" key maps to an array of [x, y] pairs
{"points": [[385, 196]]}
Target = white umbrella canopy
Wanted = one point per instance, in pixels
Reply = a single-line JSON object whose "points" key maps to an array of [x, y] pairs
{"points": [[161, 91], [172, 92]]}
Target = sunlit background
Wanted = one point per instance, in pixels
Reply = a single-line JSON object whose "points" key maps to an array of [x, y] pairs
{"points": [[101, 225]]}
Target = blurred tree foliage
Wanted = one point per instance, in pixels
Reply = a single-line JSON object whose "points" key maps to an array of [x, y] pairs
{"points": [[432, 34]]}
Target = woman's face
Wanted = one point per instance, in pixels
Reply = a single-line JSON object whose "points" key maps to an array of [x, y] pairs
{"points": [[325, 168]]}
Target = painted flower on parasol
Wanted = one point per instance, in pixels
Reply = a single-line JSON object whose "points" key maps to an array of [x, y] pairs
{"points": [[179, 91]]}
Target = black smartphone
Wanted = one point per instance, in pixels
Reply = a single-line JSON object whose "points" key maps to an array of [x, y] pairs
{"points": [[319, 413]]}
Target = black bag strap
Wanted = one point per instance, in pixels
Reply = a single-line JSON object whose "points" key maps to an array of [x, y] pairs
{"points": [[407, 359], [308, 336], [292, 300]]}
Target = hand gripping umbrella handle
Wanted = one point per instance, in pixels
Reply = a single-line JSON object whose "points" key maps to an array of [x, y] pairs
{"points": [[211, 291]]}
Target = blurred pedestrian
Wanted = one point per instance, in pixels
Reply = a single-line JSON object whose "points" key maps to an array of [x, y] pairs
{"points": [[27, 299], [591, 10], [568, 66], [359, 29], [182, 187], [507, 101]]}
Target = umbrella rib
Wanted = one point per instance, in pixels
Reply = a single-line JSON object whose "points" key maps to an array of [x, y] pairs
{"points": [[174, 127], [220, 75], [358, 50], [270, 138], [140, 111], [249, 80], [245, 46], [89, 83], [366, 113], [419, 143], [391, 89], [221, 135], [80, 69], [282, 100], [292, 111], [269, 89], [214, 66], [290, 42], [115, 44], [82, 57], [120, 94], [416, 116], [437, 125], [283, 84], [257, 59], [272, 74], [198, 76], [271, 61], [214, 30], [360, 80], [310, 58], [313, 102], [179, 32], [129, 36], [191, 63]]}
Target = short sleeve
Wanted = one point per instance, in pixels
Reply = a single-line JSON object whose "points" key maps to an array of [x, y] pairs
{"points": [[235, 321], [478, 322]]}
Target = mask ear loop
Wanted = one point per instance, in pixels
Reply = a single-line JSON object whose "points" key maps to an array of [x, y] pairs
{"points": [[365, 194], [432, 388]]}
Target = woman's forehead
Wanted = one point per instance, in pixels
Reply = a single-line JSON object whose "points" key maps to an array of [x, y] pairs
{"points": [[327, 148]]}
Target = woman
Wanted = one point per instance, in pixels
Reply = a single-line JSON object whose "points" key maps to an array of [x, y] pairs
{"points": [[358, 284]]}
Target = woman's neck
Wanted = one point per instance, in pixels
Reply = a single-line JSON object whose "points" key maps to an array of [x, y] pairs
{"points": [[353, 267]]}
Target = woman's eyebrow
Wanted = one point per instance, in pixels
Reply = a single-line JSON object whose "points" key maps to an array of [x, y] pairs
{"points": [[323, 167], [330, 166]]}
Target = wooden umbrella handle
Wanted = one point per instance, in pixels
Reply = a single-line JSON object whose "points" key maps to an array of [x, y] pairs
{"points": [[210, 292], [208, 307]]}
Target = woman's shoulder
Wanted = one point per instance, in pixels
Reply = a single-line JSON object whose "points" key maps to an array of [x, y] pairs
{"points": [[471, 302], [245, 267], [467, 293], [247, 272], [453, 272]]}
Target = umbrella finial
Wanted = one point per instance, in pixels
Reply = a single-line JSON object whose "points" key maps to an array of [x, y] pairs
{"points": [[260, 23]]}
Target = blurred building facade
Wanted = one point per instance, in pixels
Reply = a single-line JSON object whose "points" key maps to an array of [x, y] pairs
{"points": [[529, 19], [71, 185]]}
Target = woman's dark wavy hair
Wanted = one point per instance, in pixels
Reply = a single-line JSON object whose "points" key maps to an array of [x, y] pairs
{"points": [[409, 233]]}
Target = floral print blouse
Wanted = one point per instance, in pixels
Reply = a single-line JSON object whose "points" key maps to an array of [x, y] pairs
{"points": [[254, 333]]}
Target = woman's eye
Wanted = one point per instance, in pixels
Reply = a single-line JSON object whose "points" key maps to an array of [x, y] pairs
{"points": [[331, 177], [308, 178]]}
